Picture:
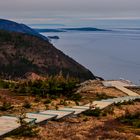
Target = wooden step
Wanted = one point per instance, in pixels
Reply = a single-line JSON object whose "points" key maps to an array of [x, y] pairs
{"points": [[40, 117], [10, 123], [60, 114], [76, 111]]}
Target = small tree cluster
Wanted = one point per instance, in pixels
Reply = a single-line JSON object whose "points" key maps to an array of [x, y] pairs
{"points": [[53, 88]]}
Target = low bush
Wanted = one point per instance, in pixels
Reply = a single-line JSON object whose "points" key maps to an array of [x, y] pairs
{"points": [[53, 87], [130, 102], [37, 99], [7, 84], [27, 104], [62, 102], [77, 103], [108, 110], [131, 119], [26, 129], [56, 107], [101, 96], [4, 84], [47, 106], [6, 106], [137, 100], [47, 101], [95, 112], [75, 97], [53, 97]]}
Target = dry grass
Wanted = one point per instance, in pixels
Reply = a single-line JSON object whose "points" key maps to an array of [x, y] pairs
{"points": [[85, 127], [91, 89], [19, 101], [90, 128]]}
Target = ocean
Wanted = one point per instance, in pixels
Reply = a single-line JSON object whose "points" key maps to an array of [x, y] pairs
{"points": [[110, 54]]}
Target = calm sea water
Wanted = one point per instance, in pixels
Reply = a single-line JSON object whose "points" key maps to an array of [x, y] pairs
{"points": [[112, 55]]}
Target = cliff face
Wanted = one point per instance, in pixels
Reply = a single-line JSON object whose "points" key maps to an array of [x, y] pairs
{"points": [[22, 53]]}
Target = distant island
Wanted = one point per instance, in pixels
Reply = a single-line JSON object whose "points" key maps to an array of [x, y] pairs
{"points": [[49, 30], [86, 29], [53, 37]]}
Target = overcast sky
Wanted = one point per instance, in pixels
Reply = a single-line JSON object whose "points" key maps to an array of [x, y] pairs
{"points": [[54, 8]]}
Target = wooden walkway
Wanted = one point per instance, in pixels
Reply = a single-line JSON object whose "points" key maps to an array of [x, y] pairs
{"points": [[10, 123], [121, 85]]}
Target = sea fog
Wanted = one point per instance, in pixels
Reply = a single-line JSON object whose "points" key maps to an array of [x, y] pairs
{"points": [[110, 54]]}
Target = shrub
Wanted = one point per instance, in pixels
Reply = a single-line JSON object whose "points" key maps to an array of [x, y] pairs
{"points": [[85, 119], [27, 104], [96, 112], [104, 113], [100, 96], [47, 106], [108, 110], [37, 99], [48, 101], [6, 106], [26, 129], [130, 102], [53, 97], [131, 119], [137, 100], [75, 97], [63, 102], [56, 107], [4, 84], [77, 103], [52, 104], [57, 85]]}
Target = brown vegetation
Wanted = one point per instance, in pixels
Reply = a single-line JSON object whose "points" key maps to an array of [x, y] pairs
{"points": [[103, 126], [94, 90], [21, 54], [90, 128]]}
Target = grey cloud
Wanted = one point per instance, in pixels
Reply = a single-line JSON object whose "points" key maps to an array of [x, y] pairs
{"points": [[70, 7]]}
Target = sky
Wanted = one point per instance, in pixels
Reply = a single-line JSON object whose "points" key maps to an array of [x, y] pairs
{"points": [[69, 8]]}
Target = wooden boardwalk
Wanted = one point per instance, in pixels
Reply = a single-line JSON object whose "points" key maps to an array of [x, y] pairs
{"points": [[121, 85], [127, 91], [10, 123]]}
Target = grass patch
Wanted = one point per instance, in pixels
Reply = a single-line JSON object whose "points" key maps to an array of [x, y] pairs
{"points": [[101, 96], [131, 119]]}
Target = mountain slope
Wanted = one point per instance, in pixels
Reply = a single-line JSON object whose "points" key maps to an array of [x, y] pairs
{"points": [[22, 53], [21, 28]]}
